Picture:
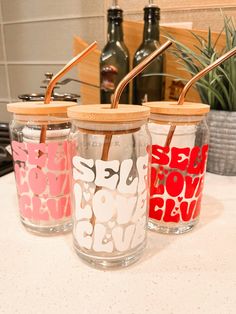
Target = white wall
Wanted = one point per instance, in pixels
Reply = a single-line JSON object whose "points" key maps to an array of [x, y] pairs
{"points": [[37, 36]]}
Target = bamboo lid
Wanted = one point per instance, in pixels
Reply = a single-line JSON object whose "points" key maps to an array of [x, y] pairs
{"points": [[172, 108], [103, 113], [39, 108]]}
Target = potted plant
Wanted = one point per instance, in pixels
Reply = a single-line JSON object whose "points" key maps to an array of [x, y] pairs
{"points": [[218, 89]]}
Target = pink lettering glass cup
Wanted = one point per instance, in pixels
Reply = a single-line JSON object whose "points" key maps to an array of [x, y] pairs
{"points": [[41, 154], [178, 164], [110, 183]]}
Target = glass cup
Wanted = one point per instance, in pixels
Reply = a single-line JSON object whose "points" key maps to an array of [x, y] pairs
{"points": [[179, 155], [41, 154], [110, 183]]}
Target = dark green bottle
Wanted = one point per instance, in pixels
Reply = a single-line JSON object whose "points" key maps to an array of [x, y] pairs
{"points": [[148, 86], [114, 61]]}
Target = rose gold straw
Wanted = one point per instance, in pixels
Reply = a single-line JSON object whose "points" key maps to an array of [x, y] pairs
{"points": [[193, 80], [119, 89], [138, 69], [58, 76], [186, 88], [67, 68]]}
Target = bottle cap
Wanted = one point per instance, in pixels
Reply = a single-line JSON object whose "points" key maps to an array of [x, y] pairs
{"points": [[115, 14], [115, 5], [151, 11]]}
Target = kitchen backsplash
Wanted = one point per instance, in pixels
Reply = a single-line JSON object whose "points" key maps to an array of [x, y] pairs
{"points": [[37, 36]]}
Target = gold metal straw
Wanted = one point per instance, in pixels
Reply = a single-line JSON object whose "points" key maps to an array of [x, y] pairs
{"points": [[138, 69], [67, 68], [186, 88], [193, 80], [58, 76]]}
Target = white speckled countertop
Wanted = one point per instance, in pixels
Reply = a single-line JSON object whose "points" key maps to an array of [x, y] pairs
{"points": [[191, 273]]}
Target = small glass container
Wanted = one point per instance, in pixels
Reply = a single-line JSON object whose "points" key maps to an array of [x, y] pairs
{"points": [[110, 183], [178, 164], [41, 154]]}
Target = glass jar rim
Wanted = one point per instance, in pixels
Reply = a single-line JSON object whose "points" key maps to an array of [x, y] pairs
{"points": [[100, 128], [41, 119], [175, 119]]}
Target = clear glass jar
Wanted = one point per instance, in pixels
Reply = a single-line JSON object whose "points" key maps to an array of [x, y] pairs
{"points": [[110, 186], [41, 153], [178, 165]]}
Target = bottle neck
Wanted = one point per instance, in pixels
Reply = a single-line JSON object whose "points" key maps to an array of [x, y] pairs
{"points": [[115, 31], [151, 30], [151, 23]]}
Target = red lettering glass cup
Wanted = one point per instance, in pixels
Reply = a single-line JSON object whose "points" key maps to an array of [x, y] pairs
{"points": [[178, 164], [40, 149], [110, 183]]}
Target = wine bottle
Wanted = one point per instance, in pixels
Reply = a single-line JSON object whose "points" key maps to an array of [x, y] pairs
{"points": [[114, 61], [148, 85]]}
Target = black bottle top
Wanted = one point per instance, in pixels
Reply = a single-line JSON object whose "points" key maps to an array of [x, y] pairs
{"points": [[115, 14], [151, 12]]}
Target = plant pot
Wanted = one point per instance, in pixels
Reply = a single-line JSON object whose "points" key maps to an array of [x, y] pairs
{"points": [[222, 144]]}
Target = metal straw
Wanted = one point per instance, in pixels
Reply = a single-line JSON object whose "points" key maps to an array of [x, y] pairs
{"points": [[57, 77], [198, 76], [138, 69], [67, 68], [186, 88]]}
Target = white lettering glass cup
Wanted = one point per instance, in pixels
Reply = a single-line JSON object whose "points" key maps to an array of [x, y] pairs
{"points": [[41, 154], [178, 164], [110, 183]]}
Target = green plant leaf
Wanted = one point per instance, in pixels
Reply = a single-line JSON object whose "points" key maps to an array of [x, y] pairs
{"points": [[218, 87], [217, 39], [225, 93], [221, 105], [199, 38], [233, 87]]}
